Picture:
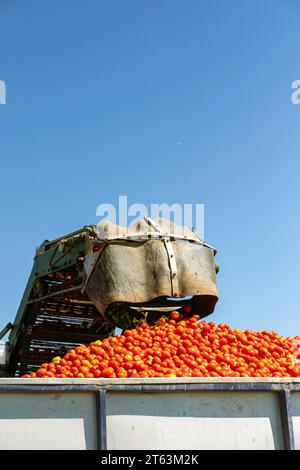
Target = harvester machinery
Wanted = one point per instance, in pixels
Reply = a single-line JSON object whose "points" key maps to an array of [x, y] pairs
{"points": [[86, 284]]}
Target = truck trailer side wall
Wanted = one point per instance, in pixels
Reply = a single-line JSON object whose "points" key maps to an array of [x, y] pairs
{"points": [[149, 414]]}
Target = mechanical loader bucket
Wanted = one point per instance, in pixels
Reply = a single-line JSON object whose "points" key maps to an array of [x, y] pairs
{"points": [[150, 266]]}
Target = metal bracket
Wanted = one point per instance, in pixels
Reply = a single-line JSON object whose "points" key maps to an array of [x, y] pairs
{"points": [[171, 256], [173, 267]]}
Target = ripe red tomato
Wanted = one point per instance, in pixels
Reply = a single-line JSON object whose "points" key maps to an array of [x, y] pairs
{"points": [[41, 372], [103, 364], [76, 363], [108, 372], [133, 373]]}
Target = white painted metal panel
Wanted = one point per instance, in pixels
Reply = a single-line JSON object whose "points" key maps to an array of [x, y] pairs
{"points": [[295, 400], [296, 424], [195, 420], [42, 434], [58, 415], [153, 432]]}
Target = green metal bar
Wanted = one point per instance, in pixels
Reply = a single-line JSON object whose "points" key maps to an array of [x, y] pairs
{"points": [[63, 291], [19, 316], [5, 330]]}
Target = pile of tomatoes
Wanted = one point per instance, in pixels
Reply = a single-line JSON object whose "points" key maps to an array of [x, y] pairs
{"points": [[180, 347]]}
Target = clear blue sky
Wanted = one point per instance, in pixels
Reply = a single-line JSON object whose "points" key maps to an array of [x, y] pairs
{"points": [[99, 93]]}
